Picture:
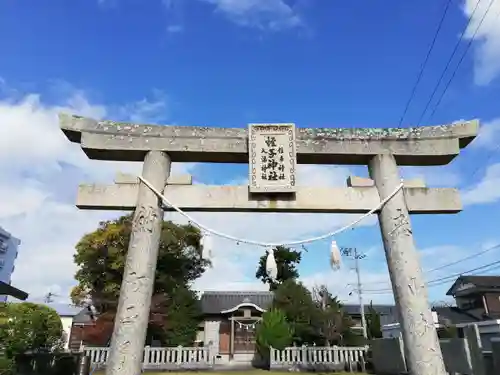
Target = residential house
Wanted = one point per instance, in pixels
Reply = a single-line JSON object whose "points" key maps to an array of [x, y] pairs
{"points": [[477, 300], [477, 296]]}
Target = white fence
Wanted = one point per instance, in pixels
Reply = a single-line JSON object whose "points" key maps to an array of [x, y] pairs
{"points": [[159, 358], [312, 357], [318, 357]]}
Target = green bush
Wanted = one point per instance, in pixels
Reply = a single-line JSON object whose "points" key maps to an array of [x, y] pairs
{"points": [[29, 327], [273, 331]]}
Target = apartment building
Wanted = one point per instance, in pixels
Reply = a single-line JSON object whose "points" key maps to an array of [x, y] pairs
{"points": [[8, 254]]}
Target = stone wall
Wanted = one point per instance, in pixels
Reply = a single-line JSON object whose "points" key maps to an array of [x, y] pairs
{"points": [[388, 356], [465, 356]]}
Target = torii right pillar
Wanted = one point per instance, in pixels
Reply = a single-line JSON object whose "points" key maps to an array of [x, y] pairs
{"points": [[421, 344]]}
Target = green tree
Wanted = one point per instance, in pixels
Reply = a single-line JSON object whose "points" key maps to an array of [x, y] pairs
{"points": [[287, 261], [29, 327], [273, 331], [374, 328], [175, 317], [335, 324], [100, 258], [301, 311]]}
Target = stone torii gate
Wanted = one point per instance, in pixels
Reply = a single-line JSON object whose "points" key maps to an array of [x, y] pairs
{"points": [[271, 188]]}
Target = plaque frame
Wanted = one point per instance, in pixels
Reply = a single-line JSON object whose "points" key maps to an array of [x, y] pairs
{"points": [[256, 184]]}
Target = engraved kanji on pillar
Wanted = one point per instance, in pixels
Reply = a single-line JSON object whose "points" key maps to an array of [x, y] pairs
{"points": [[272, 158]]}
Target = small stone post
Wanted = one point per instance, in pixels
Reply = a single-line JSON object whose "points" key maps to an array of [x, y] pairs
{"points": [[421, 344], [131, 322]]}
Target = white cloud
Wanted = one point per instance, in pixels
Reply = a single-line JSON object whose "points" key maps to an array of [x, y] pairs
{"points": [[486, 191], [487, 48], [489, 135], [262, 14], [433, 176], [107, 3], [147, 110], [39, 174]]}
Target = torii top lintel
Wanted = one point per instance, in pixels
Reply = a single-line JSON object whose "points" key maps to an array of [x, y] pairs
{"points": [[426, 145]]}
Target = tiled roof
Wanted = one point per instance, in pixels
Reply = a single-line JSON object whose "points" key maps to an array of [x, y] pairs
{"points": [[481, 282], [215, 302], [453, 315]]}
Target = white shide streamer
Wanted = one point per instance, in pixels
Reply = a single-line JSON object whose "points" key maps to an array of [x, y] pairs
{"points": [[269, 244], [207, 246], [335, 258], [271, 266]]}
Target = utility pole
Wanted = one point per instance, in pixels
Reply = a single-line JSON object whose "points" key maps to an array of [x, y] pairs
{"points": [[353, 252]]}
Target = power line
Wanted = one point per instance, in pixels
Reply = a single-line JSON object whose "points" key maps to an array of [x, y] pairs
{"points": [[445, 279], [440, 282], [424, 64], [455, 49], [464, 259], [495, 149], [468, 257], [486, 161], [462, 57]]}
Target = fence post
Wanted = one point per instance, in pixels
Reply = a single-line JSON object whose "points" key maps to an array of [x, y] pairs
{"points": [[304, 355], [211, 349], [146, 359], [271, 358], [179, 355], [471, 333]]}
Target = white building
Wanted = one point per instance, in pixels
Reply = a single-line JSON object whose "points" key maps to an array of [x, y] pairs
{"points": [[8, 255]]}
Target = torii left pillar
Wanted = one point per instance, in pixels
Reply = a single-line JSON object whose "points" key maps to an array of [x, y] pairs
{"points": [[129, 333]]}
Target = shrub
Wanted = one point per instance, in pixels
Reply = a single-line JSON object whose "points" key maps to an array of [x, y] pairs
{"points": [[28, 327], [273, 331]]}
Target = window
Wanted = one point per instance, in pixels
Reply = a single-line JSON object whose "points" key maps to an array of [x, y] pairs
{"points": [[2, 263], [471, 303], [3, 247]]}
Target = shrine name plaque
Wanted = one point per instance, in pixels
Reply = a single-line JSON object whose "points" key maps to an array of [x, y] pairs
{"points": [[272, 158]]}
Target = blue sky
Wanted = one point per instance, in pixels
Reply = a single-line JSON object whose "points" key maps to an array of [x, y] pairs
{"points": [[228, 63]]}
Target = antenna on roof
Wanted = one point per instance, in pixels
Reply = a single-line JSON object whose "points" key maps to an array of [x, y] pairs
{"points": [[48, 297]]}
